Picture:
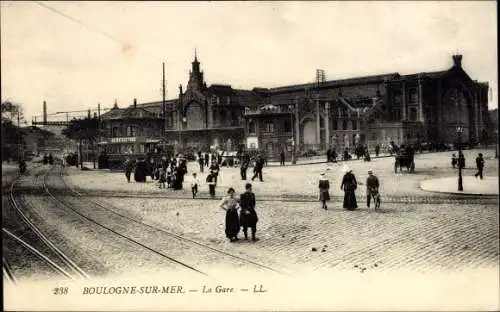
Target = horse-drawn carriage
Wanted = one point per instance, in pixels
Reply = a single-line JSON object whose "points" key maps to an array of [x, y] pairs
{"points": [[405, 158]]}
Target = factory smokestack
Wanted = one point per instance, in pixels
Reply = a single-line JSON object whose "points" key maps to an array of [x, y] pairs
{"points": [[44, 112]]}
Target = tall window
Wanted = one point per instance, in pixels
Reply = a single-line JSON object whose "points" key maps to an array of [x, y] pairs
{"points": [[344, 124], [269, 126], [288, 126], [413, 96], [397, 99], [251, 127], [397, 115], [413, 114], [114, 132], [131, 131], [335, 125], [354, 125]]}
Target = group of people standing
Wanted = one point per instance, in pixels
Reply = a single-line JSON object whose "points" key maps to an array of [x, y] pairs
{"points": [[247, 217], [349, 185]]}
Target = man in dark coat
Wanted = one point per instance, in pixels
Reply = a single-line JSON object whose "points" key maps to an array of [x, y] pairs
{"points": [[282, 158], [215, 169], [245, 161], [200, 162], [128, 166], [248, 216], [257, 170], [377, 150], [480, 166], [207, 158]]}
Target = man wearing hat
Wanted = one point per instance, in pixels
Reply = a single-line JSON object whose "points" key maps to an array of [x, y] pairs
{"points": [[372, 185]]}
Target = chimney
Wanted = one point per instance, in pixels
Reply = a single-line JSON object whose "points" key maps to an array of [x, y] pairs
{"points": [[135, 102], [457, 60], [44, 112], [180, 89], [115, 106], [89, 113]]}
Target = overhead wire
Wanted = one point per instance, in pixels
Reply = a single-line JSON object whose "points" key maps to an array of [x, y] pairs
{"points": [[102, 32]]}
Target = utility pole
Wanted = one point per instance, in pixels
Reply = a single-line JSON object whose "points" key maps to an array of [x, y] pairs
{"points": [[164, 107], [18, 136]]}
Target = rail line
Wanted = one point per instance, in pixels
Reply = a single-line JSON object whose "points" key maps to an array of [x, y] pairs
{"points": [[7, 272], [181, 238], [61, 203], [74, 270], [36, 252]]}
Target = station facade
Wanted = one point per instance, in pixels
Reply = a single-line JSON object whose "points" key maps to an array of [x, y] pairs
{"points": [[415, 108]]}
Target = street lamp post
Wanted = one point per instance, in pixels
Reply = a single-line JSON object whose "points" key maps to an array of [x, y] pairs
{"points": [[460, 158], [291, 108]]}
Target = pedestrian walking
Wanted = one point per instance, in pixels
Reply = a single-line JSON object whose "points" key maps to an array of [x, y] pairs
{"points": [[211, 181], [480, 166], [207, 158], [372, 186], [129, 167], [324, 190], [162, 177], [257, 170], [248, 215], [282, 158], [454, 161], [194, 185], [230, 205], [244, 167], [377, 150], [461, 160], [215, 169], [349, 186], [200, 162]]}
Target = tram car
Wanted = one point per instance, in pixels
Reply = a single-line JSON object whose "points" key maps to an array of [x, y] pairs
{"points": [[152, 154]]}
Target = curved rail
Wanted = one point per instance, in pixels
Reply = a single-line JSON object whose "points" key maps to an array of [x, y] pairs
{"points": [[64, 258], [179, 237], [117, 233], [7, 271], [36, 252]]}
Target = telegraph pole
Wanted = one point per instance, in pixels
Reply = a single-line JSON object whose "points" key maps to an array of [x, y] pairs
{"points": [[164, 104]]}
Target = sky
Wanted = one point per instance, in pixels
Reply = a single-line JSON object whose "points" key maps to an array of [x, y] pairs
{"points": [[96, 52]]}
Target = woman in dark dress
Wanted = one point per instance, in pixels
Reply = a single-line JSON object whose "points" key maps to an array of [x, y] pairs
{"points": [[349, 186], [230, 205]]}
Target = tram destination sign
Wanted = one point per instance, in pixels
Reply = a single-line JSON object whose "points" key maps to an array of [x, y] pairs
{"points": [[123, 140]]}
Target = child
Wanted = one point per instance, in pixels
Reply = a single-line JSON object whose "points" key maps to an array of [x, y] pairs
{"points": [[169, 176], [162, 178], [211, 180], [194, 185], [324, 187]]}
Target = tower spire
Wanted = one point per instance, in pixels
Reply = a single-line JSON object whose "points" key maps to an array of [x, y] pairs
{"points": [[195, 55]]}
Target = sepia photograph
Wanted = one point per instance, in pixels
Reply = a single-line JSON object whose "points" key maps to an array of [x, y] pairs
{"points": [[250, 156]]}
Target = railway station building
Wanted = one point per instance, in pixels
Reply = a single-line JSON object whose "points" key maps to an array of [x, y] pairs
{"points": [[371, 110]]}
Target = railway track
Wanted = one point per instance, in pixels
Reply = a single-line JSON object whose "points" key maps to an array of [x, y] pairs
{"points": [[20, 231], [144, 227]]}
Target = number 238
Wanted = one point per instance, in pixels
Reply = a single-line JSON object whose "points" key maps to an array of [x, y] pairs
{"points": [[60, 291]]}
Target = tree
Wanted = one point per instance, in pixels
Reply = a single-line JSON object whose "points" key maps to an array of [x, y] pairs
{"points": [[12, 136], [83, 130]]}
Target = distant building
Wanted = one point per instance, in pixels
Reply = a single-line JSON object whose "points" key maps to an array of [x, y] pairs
{"points": [[423, 107]]}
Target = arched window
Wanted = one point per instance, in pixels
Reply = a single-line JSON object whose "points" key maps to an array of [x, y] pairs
{"points": [[354, 125], [344, 124], [413, 96]]}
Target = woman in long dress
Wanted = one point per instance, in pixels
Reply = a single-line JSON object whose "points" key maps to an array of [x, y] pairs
{"points": [[230, 205], [349, 186]]}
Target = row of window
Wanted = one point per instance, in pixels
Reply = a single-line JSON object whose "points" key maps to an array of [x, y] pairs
{"points": [[132, 131]]}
